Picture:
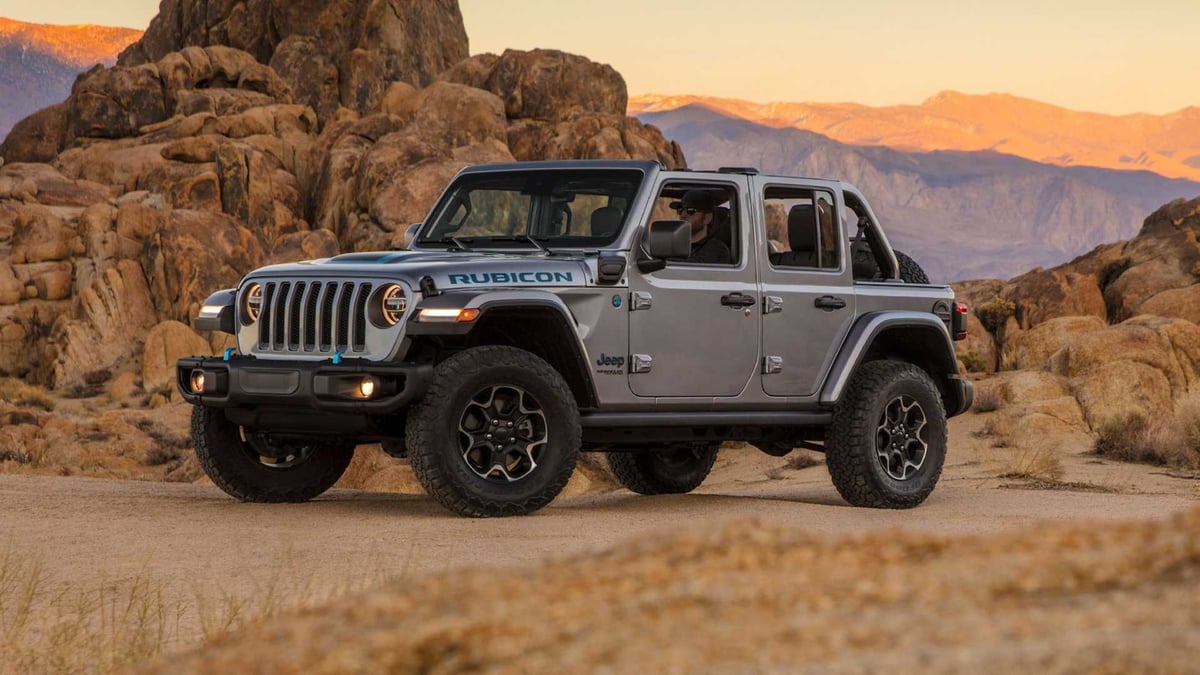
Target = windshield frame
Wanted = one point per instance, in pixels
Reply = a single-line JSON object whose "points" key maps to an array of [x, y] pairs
{"points": [[538, 203]]}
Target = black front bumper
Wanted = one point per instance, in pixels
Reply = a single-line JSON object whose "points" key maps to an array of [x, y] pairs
{"points": [[321, 386]]}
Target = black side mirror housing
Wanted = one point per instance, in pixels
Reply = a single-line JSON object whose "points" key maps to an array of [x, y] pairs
{"points": [[670, 239]]}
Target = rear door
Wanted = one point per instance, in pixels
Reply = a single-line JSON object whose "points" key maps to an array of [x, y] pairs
{"points": [[808, 294], [694, 328]]}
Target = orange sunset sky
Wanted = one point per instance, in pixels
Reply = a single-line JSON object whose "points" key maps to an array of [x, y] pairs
{"points": [[1099, 55]]}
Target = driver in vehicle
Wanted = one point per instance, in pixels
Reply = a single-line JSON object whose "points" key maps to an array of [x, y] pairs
{"points": [[698, 209]]}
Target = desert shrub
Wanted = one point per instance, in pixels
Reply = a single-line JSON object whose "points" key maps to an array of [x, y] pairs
{"points": [[802, 459], [1039, 463], [990, 398], [1172, 441], [994, 313], [169, 446], [22, 395], [973, 362]]}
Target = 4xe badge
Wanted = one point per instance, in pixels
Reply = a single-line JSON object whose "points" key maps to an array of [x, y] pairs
{"points": [[610, 365]]}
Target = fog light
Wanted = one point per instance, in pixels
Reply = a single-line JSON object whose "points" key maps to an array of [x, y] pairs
{"points": [[197, 381], [366, 388]]}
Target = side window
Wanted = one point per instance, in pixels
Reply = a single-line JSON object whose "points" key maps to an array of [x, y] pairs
{"points": [[802, 228], [712, 211]]}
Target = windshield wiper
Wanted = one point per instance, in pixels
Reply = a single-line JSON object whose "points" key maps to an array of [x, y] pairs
{"points": [[461, 244], [526, 238]]}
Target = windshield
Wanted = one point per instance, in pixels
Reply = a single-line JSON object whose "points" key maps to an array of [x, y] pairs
{"points": [[581, 208]]}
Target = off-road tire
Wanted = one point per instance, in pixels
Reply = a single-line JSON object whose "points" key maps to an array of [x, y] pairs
{"points": [[227, 460], [432, 434], [910, 271], [652, 473], [851, 438]]}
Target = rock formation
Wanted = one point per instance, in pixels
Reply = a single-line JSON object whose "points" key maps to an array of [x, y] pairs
{"points": [[1116, 327], [237, 133]]}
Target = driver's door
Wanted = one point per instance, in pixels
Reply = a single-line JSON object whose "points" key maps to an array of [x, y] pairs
{"points": [[694, 329]]}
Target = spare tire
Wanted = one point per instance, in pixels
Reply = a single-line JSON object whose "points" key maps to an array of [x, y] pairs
{"points": [[866, 268], [910, 271]]}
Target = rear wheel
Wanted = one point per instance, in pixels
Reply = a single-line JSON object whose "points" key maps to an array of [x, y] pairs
{"points": [[887, 443], [252, 468], [676, 470], [496, 435]]}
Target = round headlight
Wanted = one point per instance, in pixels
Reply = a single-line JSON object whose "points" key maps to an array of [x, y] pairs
{"points": [[252, 303], [392, 305]]}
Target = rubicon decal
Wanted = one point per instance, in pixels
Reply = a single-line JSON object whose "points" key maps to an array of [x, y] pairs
{"points": [[512, 278]]}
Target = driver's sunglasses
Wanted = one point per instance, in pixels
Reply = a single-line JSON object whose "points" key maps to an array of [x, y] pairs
{"points": [[691, 211]]}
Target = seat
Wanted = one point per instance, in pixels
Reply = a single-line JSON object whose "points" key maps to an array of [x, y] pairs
{"points": [[722, 226], [606, 221], [802, 237]]}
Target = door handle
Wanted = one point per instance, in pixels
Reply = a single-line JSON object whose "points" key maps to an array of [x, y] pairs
{"points": [[738, 300], [829, 303]]}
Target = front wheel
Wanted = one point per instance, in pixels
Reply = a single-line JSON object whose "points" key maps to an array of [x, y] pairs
{"points": [[251, 468], [675, 470], [887, 443], [497, 434]]}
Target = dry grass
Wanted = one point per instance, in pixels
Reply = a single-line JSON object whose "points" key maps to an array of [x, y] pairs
{"points": [[18, 393], [990, 397], [1038, 463], [110, 624], [1173, 441]]}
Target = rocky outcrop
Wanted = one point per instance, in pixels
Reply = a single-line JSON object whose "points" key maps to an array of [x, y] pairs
{"points": [[1118, 326], [335, 54], [255, 132]]}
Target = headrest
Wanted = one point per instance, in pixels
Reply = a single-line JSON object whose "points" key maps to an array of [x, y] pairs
{"points": [[606, 220], [802, 228]]}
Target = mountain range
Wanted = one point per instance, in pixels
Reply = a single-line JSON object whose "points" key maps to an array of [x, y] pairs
{"points": [[962, 215], [1168, 145], [40, 63]]}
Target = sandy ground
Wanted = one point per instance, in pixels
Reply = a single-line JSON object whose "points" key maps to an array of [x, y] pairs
{"points": [[196, 541]]}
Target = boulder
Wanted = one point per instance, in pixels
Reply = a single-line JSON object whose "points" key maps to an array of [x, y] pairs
{"points": [[1181, 303], [545, 84], [37, 138], [593, 136], [1033, 348], [166, 343], [39, 236], [1041, 295], [116, 102], [194, 254], [107, 331]]}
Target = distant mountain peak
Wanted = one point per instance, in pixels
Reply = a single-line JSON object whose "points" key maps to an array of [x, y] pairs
{"points": [[40, 62], [1168, 145]]}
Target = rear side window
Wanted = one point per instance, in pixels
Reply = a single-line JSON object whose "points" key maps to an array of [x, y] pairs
{"points": [[802, 228]]}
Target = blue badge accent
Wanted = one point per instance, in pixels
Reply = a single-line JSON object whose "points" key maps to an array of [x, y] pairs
{"points": [[229, 351], [337, 356], [616, 301]]}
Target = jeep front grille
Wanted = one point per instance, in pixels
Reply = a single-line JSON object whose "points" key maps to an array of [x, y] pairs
{"points": [[314, 316]]}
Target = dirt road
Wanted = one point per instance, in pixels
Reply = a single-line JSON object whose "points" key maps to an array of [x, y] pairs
{"points": [[197, 535]]}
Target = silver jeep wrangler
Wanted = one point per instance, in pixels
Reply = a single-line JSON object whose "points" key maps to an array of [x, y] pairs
{"points": [[549, 308]]}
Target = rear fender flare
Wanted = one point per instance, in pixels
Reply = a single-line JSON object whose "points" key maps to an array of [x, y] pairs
{"points": [[920, 332]]}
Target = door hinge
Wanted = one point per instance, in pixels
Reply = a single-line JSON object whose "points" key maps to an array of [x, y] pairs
{"points": [[639, 300], [640, 363], [772, 364], [772, 304]]}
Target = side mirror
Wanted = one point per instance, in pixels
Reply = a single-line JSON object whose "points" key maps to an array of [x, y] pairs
{"points": [[410, 235], [670, 239]]}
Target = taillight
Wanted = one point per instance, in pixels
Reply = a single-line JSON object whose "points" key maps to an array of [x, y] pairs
{"points": [[958, 321]]}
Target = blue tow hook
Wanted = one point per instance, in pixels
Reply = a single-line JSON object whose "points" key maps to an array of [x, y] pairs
{"points": [[229, 351], [337, 356]]}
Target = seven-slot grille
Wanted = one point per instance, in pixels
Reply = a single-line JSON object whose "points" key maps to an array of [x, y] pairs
{"points": [[314, 316]]}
